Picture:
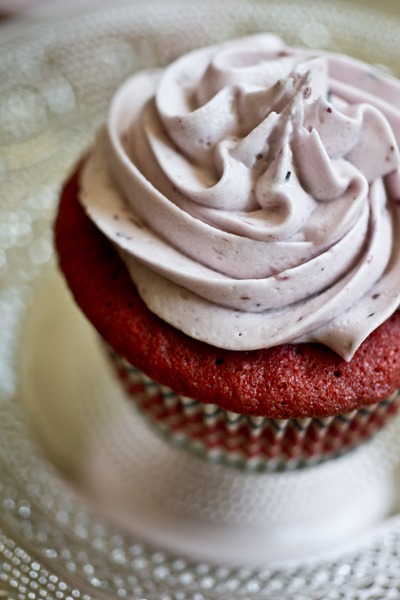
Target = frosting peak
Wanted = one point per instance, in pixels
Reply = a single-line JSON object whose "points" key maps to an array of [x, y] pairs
{"points": [[253, 194]]}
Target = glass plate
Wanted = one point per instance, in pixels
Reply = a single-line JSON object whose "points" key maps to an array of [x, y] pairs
{"points": [[57, 78]]}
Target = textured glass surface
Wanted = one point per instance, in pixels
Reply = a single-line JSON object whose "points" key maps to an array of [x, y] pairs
{"points": [[56, 80]]}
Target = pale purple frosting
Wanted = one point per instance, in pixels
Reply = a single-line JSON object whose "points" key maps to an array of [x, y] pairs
{"points": [[253, 191]]}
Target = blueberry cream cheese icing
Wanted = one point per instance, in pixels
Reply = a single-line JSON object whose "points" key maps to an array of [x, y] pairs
{"points": [[253, 193], [233, 235]]}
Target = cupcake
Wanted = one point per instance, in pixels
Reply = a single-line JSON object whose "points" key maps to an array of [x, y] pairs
{"points": [[233, 236]]}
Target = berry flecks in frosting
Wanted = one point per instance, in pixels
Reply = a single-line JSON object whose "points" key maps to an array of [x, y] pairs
{"points": [[252, 190]]}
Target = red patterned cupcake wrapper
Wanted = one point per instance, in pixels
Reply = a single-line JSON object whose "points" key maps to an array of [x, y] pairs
{"points": [[257, 443]]}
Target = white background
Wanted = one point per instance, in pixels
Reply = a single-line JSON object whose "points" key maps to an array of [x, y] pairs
{"points": [[24, 5]]}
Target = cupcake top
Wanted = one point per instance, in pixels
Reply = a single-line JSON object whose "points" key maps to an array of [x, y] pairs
{"points": [[290, 380], [253, 192], [251, 195]]}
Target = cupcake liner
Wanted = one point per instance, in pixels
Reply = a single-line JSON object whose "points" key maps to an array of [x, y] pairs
{"points": [[256, 443]]}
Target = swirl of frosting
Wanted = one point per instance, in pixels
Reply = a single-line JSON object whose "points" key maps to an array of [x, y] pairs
{"points": [[253, 192]]}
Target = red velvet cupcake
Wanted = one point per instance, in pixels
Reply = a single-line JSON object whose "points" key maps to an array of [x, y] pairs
{"points": [[233, 236]]}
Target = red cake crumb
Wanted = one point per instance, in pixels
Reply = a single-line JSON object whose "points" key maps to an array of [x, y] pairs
{"points": [[287, 381]]}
